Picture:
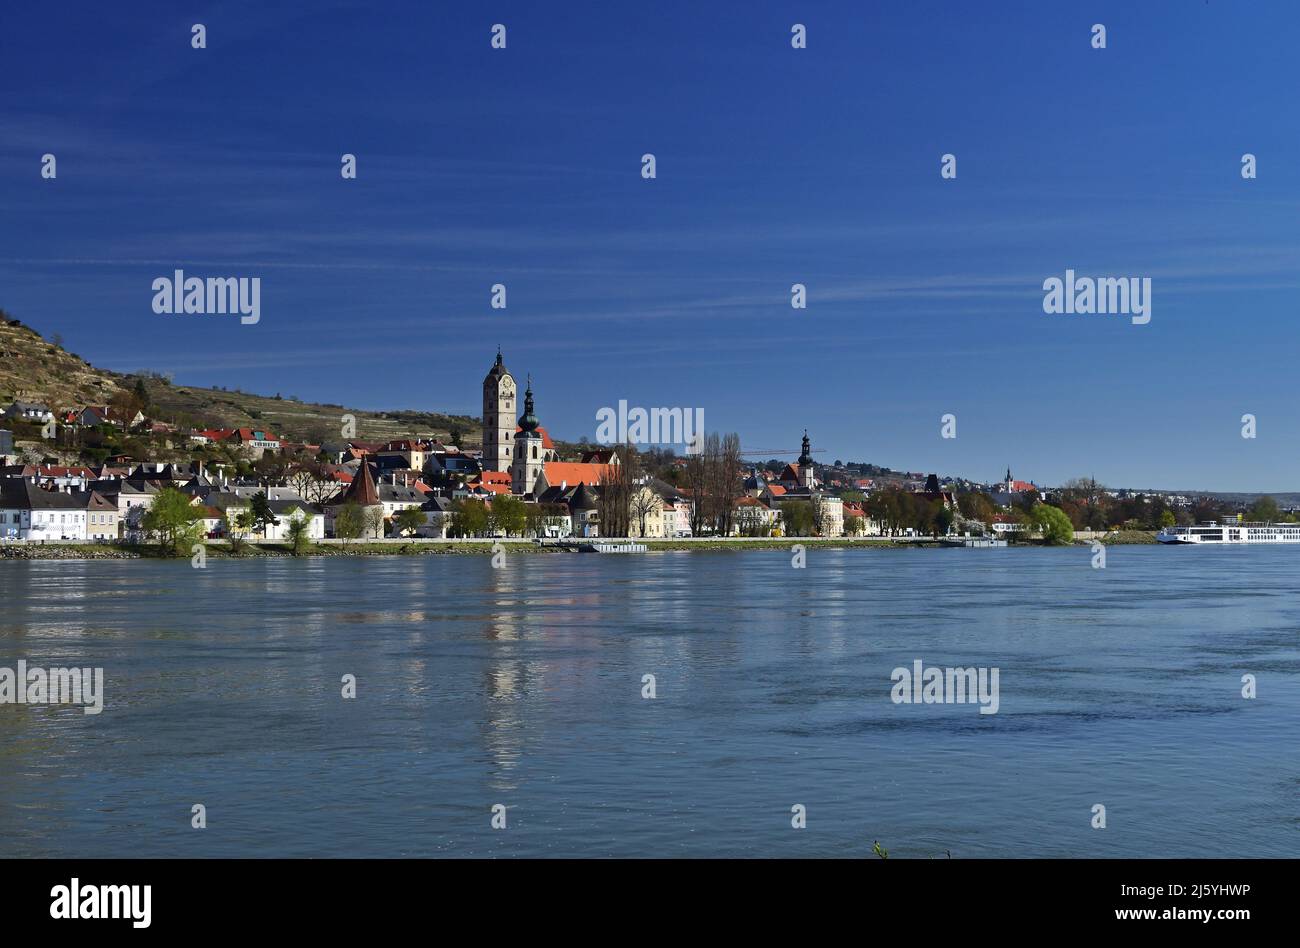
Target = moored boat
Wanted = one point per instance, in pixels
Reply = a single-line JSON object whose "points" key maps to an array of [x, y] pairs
{"points": [[1231, 531]]}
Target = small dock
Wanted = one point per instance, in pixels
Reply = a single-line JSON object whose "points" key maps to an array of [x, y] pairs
{"points": [[595, 546], [611, 546]]}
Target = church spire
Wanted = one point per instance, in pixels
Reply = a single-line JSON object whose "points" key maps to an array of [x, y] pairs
{"points": [[529, 420], [806, 456]]}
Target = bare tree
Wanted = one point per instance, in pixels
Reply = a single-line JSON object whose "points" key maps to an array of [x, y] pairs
{"points": [[617, 486], [644, 502], [714, 479], [821, 515], [312, 483], [730, 484], [697, 479]]}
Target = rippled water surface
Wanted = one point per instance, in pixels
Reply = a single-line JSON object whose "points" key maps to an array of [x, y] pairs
{"points": [[523, 687]]}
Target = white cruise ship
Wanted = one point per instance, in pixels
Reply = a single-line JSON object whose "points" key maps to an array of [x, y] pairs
{"points": [[1232, 531]]}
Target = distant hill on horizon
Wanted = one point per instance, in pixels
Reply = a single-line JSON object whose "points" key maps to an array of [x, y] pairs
{"points": [[35, 369]]}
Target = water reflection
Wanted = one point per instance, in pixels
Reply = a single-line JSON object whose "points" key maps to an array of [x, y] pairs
{"points": [[523, 685]]}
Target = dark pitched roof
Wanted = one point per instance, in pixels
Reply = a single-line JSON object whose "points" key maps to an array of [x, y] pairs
{"points": [[583, 498], [362, 489], [24, 495], [396, 493]]}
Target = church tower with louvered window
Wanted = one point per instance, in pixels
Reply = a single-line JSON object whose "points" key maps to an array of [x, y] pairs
{"points": [[498, 417]]}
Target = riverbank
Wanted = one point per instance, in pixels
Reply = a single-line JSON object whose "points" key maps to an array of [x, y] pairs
{"points": [[221, 549]]}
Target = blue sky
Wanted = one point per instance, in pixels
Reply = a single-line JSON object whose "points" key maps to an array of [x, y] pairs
{"points": [[775, 166]]}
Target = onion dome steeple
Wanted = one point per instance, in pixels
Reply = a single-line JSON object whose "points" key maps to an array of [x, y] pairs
{"points": [[806, 457], [528, 421]]}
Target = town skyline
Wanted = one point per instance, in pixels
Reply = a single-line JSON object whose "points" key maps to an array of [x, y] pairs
{"points": [[522, 167], [754, 458]]}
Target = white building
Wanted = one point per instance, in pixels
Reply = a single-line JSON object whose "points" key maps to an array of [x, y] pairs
{"points": [[30, 411], [29, 513]]}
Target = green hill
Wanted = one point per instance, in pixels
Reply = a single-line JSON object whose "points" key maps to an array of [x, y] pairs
{"points": [[38, 370]]}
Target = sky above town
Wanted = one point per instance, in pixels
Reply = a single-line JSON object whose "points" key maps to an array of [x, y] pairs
{"points": [[523, 166]]}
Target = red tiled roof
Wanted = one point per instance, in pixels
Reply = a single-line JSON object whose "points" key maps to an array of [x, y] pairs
{"points": [[55, 470], [254, 434], [574, 473]]}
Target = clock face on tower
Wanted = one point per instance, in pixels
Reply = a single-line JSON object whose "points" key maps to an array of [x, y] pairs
{"points": [[495, 397]]}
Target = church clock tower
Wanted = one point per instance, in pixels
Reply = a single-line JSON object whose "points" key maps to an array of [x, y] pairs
{"points": [[498, 417], [807, 477]]}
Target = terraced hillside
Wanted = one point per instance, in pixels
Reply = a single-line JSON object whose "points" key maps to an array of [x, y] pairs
{"points": [[38, 370]]}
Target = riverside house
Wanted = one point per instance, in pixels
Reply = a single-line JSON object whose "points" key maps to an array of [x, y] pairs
{"points": [[29, 513]]}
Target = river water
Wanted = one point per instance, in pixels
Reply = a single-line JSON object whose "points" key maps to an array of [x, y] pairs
{"points": [[523, 687]]}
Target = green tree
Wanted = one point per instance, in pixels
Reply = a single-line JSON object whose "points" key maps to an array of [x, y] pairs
{"points": [[1263, 510], [409, 520], [299, 532], [141, 394], [976, 505], [1053, 524], [173, 521], [508, 514], [798, 518], [263, 517], [535, 517], [1168, 519], [237, 529], [469, 518], [349, 521]]}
